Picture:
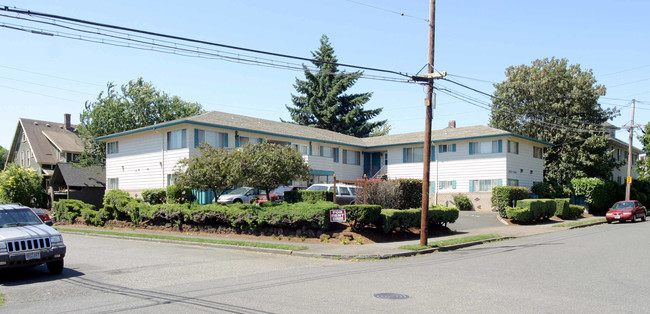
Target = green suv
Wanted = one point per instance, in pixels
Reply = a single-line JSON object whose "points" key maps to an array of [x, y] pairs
{"points": [[26, 241]]}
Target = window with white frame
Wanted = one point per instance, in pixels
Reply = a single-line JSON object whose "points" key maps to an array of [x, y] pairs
{"points": [[215, 139], [22, 158], [113, 183], [414, 154], [351, 157], [177, 139], [486, 147], [112, 148], [484, 185], [513, 147], [538, 152], [326, 151], [447, 185], [171, 179], [29, 158], [446, 148], [302, 149]]}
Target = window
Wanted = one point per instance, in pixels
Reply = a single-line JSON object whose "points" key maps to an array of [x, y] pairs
{"points": [[446, 148], [513, 147], [482, 185], [385, 159], [113, 183], [513, 182], [71, 157], [326, 151], [243, 140], [487, 147], [112, 148], [619, 180], [171, 179], [29, 158], [443, 185], [177, 139], [538, 152], [215, 139], [22, 158], [302, 149], [351, 157], [414, 154]]}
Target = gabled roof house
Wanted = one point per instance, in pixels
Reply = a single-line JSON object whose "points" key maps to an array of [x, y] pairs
{"points": [[469, 160]]}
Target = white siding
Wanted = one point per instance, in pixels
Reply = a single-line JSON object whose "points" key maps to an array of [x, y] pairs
{"points": [[523, 166]]}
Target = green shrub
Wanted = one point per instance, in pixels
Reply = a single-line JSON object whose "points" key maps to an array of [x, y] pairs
{"points": [[518, 214], [69, 210], [155, 196], [503, 196], [360, 216], [115, 202], [561, 206], [539, 208], [442, 215], [410, 193], [384, 193], [599, 194], [134, 208], [462, 202], [178, 194], [548, 190], [316, 196], [292, 197], [573, 212]]}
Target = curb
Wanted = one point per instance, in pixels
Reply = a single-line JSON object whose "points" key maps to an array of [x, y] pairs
{"points": [[589, 224]]}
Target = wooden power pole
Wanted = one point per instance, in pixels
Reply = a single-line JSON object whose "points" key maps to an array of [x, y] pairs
{"points": [[628, 180]]}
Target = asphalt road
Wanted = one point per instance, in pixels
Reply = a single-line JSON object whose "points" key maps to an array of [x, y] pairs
{"points": [[471, 220], [599, 269]]}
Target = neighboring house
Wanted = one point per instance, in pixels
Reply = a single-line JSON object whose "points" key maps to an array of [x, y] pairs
{"points": [[468, 160], [621, 152], [86, 184], [41, 145]]}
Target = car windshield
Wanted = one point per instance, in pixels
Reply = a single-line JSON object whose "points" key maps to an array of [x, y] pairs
{"points": [[18, 217], [317, 188], [239, 191], [623, 205]]}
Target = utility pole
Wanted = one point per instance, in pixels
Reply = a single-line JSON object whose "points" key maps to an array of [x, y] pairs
{"points": [[628, 185]]}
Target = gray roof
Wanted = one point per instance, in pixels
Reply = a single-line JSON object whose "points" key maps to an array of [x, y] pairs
{"points": [[92, 176], [291, 130], [41, 133]]}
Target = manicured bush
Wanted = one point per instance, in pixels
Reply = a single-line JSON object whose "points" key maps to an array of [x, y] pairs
{"points": [[178, 194], [503, 196], [316, 196], [115, 202], [442, 215], [361, 216], [381, 192], [599, 194], [548, 190], [462, 202], [561, 206], [155, 196], [69, 210], [518, 214], [572, 212], [539, 208], [292, 196], [410, 193]]}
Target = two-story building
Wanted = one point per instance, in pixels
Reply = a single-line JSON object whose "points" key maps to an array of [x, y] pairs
{"points": [[469, 160]]}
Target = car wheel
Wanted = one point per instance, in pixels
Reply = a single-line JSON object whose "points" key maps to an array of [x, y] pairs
{"points": [[609, 221], [237, 201], [643, 218], [633, 220], [55, 267]]}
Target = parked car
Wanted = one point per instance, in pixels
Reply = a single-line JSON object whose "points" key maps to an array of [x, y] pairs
{"points": [[45, 218], [626, 210], [346, 194], [26, 241], [240, 195], [277, 195]]}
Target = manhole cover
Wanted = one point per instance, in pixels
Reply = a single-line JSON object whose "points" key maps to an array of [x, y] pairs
{"points": [[391, 296]]}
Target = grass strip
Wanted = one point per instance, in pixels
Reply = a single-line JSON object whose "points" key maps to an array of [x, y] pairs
{"points": [[441, 243], [579, 223], [194, 240], [2, 299]]}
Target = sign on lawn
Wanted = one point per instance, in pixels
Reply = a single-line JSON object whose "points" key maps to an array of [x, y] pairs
{"points": [[337, 215]]}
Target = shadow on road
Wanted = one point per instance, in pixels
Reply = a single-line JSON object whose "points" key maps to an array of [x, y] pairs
{"points": [[29, 275]]}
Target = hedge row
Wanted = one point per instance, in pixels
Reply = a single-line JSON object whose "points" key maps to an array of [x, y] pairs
{"points": [[391, 219], [308, 196], [503, 196], [361, 216], [529, 210]]}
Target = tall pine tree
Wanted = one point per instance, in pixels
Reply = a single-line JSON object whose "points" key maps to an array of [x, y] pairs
{"points": [[322, 101]]}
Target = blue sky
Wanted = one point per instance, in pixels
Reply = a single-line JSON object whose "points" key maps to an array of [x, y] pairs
{"points": [[43, 77]]}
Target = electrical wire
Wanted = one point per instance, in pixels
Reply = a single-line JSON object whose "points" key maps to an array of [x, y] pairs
{"points": [[389, 10]]}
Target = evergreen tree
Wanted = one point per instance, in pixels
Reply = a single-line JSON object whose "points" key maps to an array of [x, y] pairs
{"points": [[322, 101]]}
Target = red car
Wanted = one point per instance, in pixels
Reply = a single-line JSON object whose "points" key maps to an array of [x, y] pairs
{"points": [[626, 210], [45, 218]]}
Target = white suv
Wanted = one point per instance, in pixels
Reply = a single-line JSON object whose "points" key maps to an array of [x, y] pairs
{"points": [[26, 241], [345, 193]]}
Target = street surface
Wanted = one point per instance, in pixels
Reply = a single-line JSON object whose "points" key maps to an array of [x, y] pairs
{"points": [[599, 269]]}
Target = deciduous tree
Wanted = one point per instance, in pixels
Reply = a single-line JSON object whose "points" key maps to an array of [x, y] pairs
{"points": [[209, 169], [20, 185]]}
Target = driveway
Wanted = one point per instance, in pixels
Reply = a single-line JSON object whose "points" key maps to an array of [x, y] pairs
{"points": [[471, 220]]}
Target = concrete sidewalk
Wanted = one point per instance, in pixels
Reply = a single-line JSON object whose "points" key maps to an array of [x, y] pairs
{"points": [[364, 251]]}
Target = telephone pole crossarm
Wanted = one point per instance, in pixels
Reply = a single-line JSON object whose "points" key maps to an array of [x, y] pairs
{"points": [[428, 76]]}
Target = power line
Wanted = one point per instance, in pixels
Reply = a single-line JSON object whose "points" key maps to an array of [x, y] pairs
{"points": [[389, 10]]}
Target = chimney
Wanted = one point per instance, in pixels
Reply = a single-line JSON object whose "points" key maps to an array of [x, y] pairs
{"points": [[68, 125], [452, 124]]}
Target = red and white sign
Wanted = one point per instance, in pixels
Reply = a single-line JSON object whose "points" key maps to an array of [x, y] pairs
{"points": [[337, 215]]}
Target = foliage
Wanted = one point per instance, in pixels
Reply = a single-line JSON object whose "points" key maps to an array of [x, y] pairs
{"points": [[462, 202], [410, 192], [518, 214], [549, 93], [115, 202], [313, 196], [381, 130], [398, 194], [69, 210], [361, 216], [321, 101], [503, 196], [571, 212], [392, 219], [137, 104], [3, 156], [267, 166], [20, 185], [642, 167], [292, 196], [177, 194], [599, 194], [548, 190], [209, 169], [540, 209], [155, 196], [442, 215]]}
